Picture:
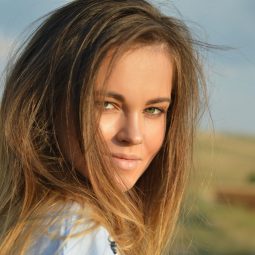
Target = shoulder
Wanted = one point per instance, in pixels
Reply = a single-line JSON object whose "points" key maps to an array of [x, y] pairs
{"points": [[72, 239], [94, 243]]}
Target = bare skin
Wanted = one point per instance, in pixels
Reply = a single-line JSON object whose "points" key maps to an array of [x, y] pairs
{"points": [[133, 121]]}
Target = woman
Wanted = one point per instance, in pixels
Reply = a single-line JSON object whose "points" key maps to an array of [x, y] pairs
{"points": [[97, 120]]}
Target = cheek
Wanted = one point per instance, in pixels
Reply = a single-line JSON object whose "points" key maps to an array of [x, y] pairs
{"points": [[108, 126], [154, 136]]}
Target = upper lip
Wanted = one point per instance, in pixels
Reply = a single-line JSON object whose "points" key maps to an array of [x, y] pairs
{"points": [[125, 156]]}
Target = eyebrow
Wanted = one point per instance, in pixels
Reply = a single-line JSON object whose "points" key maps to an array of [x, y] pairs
{"points": [[121, 98]]}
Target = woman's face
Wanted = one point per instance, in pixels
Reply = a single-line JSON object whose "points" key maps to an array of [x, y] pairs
{"points": [[133, 121]]}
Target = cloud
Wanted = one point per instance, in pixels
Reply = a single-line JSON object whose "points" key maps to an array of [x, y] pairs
{"points": [[5, 46]]}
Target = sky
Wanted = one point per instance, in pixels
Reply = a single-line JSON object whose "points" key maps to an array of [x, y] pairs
{"points": [[230, 73]]}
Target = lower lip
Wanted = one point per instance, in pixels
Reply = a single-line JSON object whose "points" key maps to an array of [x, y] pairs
{"points": [[126, 164]]}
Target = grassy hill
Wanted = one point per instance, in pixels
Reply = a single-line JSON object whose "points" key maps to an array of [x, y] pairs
{"points": [[221, 161]]}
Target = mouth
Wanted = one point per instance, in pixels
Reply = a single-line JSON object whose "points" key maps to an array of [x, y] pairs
{"points": [[126, 162]]}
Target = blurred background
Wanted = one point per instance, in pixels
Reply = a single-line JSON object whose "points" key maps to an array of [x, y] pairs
{"points": [[218, 216]]}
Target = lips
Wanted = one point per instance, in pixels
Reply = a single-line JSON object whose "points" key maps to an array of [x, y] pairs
{"points": [[126, 162]]}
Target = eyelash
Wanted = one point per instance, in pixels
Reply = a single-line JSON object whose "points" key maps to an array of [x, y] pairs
{"points": [[106, 102], [160, 110]]}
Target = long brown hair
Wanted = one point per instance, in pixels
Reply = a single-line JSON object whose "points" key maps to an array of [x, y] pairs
{"points": [[55, 74]]}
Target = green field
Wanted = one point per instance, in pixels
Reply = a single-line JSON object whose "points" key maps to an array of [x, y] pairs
{"points": [[207, 226]]}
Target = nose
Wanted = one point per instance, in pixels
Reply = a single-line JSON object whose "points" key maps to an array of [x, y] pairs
{"points": [[131, 130]]}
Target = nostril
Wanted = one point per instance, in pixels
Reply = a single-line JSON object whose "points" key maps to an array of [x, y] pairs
{"points": [[129, 139]]}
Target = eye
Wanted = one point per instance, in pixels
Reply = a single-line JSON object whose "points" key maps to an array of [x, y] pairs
{"points": [[154, 111], [108, 106]]}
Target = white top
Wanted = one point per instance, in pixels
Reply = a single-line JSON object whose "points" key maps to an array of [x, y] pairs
{"points": [[94, 243]]}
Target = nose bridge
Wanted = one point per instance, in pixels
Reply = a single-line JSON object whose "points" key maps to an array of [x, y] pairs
{"points": [[133, 128]]}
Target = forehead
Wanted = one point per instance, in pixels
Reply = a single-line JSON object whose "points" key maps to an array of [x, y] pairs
{"points": [[138, 73]]}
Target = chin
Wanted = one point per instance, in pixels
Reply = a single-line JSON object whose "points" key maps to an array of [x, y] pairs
{"points": [[126, 184]]}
